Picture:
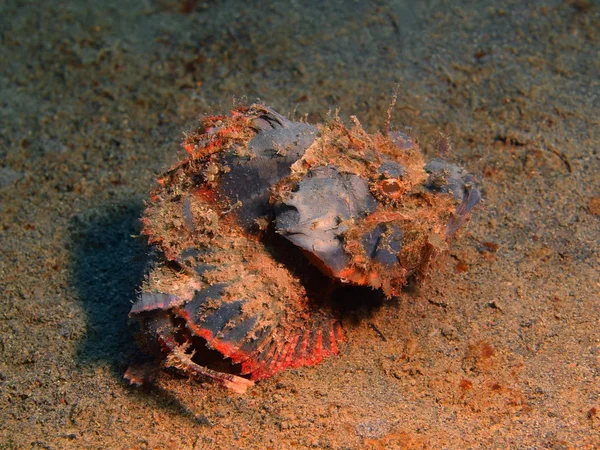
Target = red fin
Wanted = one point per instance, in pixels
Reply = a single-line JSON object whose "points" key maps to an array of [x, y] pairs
{"points": [[333, 339], [265, 360], [271, 356], [253, 363], [284, 357], [300, 349], [289, 356], [337, 329], [318, 352]]}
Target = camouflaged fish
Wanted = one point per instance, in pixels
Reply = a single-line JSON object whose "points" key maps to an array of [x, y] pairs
{"points": [[259, 195]]}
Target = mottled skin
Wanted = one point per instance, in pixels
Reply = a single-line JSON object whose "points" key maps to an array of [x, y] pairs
{"points": [[364, 209]]}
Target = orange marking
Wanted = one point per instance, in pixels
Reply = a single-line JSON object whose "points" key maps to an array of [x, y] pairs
{"points": [[189, 148], [332, 339]]}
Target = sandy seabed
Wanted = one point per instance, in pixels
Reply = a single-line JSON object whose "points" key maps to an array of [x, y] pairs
{"points": [[498, 349]]}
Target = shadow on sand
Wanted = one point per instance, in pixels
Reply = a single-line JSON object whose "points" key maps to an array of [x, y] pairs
{"points": [[108, 266]]}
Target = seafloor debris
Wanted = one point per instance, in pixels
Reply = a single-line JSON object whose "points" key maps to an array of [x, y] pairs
{"points": [[227, 223]]}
